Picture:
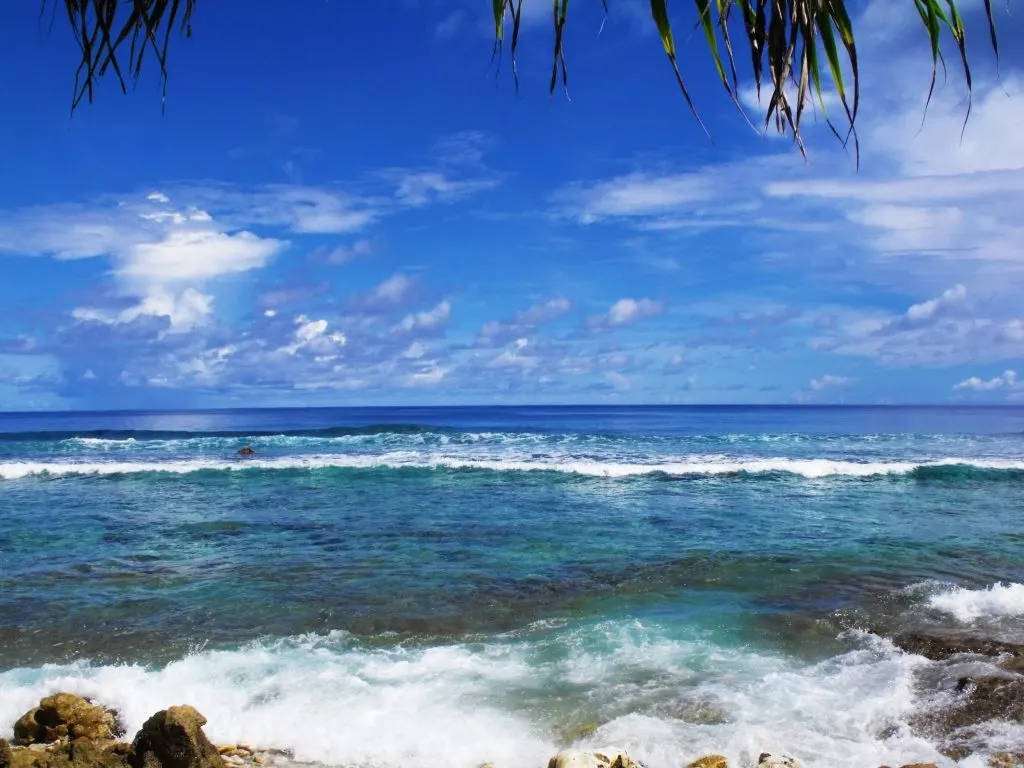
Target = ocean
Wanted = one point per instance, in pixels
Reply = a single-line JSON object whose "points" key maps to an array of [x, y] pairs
{"points": [[424, 586]]}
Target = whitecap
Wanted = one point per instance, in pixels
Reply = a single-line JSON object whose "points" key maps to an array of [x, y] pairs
{"points": [[696, 465], [995, 601]]}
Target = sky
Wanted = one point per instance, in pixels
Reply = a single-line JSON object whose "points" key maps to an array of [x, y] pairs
{"points": [[351, 204]]}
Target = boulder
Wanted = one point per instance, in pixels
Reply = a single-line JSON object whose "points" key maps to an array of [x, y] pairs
{"points": [[609, 757], [939, 644], [246, 450], [767, 760], [709, 761], [174, 738], [65, 715], [80, 753]]}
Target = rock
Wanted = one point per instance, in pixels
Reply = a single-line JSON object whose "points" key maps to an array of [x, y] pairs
{"points": [[709, 761], [79, 753], [767, 760], [983, 698], [87, 753], [577, 732], [1007, 760], [990, 698], [5, 754], [609, 757], [940, 644], [247, 450], [65, 715], [174, 738], [919, 765]]}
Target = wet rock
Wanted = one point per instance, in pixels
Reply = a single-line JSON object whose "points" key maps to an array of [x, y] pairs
{"points": [[579, 731], [940, 644], [919, 765], [174, 738], [79, 753], [65, 715], [246, 450], [5, 754], [988, 698], [87, 753], [609, 757], [767, 760], [709, 761], [981, 698], [1007, 760]]}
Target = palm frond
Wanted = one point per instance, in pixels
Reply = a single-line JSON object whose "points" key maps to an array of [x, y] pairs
{"points": [[784, 38], [102, 29], [790, 42]]}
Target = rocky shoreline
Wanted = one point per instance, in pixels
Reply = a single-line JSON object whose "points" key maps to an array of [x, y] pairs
{"points": [[69, 731]]}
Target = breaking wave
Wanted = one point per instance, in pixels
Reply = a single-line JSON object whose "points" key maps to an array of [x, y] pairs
{"points": [[509, 699], [966, 605], [952, 468]]}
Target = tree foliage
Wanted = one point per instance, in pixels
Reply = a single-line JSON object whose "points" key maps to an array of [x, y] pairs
{"points": [[790, 43]]}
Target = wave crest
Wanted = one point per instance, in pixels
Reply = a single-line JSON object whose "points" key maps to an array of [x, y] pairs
{"points": [[966, 605], [692, 466]]}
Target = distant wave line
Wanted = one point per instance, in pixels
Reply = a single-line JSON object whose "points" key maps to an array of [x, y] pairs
{"points": [[696, 466]]}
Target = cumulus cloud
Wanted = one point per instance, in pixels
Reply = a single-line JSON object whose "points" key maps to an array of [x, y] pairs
{"points": [[388, 294], [524, 321], [1005, 381], [515, 356], [312, 336], [944, 330], [624, 312], [428, 375], [427, 321], [194, 255], [343, 254], [927, 310]]}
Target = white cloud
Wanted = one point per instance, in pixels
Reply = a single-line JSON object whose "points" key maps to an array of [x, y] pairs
{"points": [[424, 321], [828, 381], [415, 351], [927, 310], [429, 375], [311, 336], [524, 321], [625, 312], [1007, 380], [944, 330], [636, 194], [515, 357], [417, 188], [391, 292], [450, 25], [194, 255], [620, 382], [184, 311], [343, 254]]}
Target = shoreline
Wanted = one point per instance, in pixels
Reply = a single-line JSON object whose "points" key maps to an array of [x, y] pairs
{"points": [[991, 689]]}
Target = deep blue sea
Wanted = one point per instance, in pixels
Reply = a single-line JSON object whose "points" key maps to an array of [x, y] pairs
{"points": [[423, 586]]}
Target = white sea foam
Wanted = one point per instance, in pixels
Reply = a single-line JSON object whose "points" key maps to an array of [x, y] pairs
{"points": [[103, 442], [966, 605], [695, 465], [504, 699]]}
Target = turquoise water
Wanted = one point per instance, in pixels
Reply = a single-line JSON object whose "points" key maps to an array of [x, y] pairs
{"points": [[380, 586]]}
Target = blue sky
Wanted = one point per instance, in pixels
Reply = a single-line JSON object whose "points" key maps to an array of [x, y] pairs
{"points": [[349, 205]]}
